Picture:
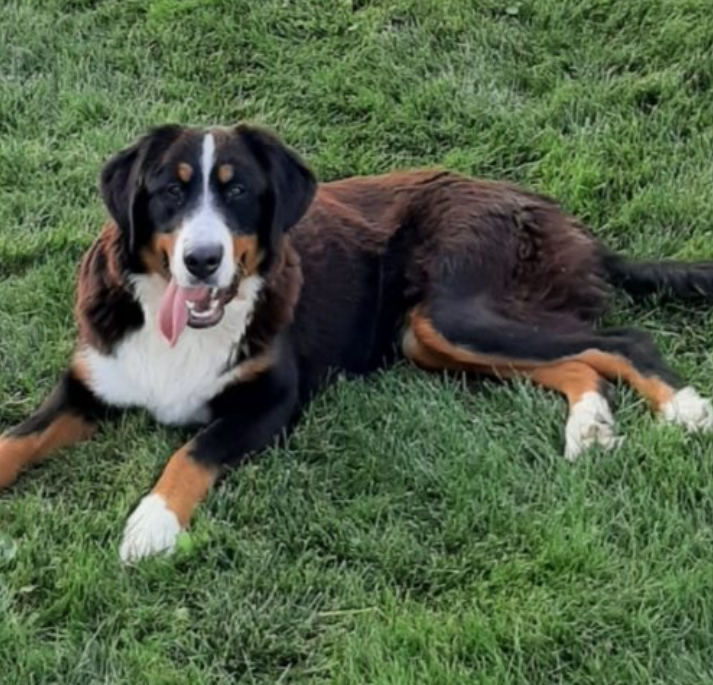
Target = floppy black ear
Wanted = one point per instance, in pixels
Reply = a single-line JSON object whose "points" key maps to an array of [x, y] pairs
{"points": [[119, 183], [292, 182], [122, 179]]}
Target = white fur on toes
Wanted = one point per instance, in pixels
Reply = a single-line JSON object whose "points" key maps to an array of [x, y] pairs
{"points": [[151, 529], [590, 422], [688, 409]]}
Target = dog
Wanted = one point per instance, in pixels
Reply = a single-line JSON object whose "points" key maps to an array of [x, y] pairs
{"points": [[228, 287]]}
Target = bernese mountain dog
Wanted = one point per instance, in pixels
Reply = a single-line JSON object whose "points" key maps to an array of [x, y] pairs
{"points": [[229, 286]]}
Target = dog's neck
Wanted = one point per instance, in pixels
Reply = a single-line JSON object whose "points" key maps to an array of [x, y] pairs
{"points": [[279, 298]]}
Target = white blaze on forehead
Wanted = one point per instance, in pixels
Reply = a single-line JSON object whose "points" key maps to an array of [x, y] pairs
{"points": [[204, 226], [207, 160]]}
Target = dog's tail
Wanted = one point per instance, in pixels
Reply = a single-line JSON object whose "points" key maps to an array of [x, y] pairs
{"points": [[684, 280]]}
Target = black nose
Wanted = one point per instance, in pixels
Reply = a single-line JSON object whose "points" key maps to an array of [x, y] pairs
{"points": [[203, 261]]}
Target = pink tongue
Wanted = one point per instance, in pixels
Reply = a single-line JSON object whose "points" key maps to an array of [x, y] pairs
{"points": [[172, 316]]}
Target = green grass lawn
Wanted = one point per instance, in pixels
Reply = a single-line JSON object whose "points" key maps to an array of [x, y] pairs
{"points": [[416, 530]]}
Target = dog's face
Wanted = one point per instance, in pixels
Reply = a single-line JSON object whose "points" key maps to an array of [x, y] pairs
{"points": [[205, 208]]}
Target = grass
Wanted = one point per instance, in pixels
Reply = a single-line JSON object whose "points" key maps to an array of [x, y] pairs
{"points": [[415, 530]]}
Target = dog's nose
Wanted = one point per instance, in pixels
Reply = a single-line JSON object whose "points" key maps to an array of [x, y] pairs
{"points": [[203, 261]]}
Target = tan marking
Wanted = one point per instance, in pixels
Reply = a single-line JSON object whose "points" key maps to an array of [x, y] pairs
{"points": [[654, 390], [185, 172], [456, 357], [437, 360], [245, 253], [184, 483], [571, 378], [225, 173], [435, 349], [435, 352], [18, 452], [80, 371], [431, 359], [254, 366], [159, 252]]}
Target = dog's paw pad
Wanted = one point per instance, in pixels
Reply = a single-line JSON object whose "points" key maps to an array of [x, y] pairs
{"points": [[590, 423], [688, 409], [151, 529]]}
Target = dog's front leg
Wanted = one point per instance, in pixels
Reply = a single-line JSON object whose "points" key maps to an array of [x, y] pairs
{"points": [[248, 418], [68, 415]]}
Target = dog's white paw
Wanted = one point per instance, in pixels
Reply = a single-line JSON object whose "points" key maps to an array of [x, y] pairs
{"points": [[688, 409], [151, 529], [590, 422]]}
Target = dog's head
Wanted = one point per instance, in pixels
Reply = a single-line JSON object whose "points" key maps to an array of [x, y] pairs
{"points": [[205, 209]]}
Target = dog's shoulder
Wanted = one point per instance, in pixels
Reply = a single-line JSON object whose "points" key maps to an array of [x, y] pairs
{"points": [[106, 308]]}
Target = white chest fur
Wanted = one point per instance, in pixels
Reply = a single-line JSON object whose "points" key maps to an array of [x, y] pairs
{"points": [[173, 383]]}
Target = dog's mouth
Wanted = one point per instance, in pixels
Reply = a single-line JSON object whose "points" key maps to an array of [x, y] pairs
{"points": [[206, 306], [200, 307]]}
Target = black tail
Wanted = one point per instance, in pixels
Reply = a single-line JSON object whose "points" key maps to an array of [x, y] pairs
{"points": [[685, 280]]}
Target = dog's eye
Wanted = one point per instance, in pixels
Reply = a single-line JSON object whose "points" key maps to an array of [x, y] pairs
{"points": [[234, 191], [174, 192]]}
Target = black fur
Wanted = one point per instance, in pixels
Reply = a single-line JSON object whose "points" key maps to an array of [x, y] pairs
{"points": [[688, 281], [106, 308], [250, 416], [70, 396]]}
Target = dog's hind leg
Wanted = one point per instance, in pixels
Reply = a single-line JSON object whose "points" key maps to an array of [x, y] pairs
{"points": [[67, 416], [633, 358], [590, 421], [622, 354], [470, 334]]}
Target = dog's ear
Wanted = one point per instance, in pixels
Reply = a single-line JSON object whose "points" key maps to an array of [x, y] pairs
{"points": [[122, 180], [119, 182], [292, 183]]}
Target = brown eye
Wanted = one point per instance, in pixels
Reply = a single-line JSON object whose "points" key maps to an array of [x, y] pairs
{"points": [[234, 191]]}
